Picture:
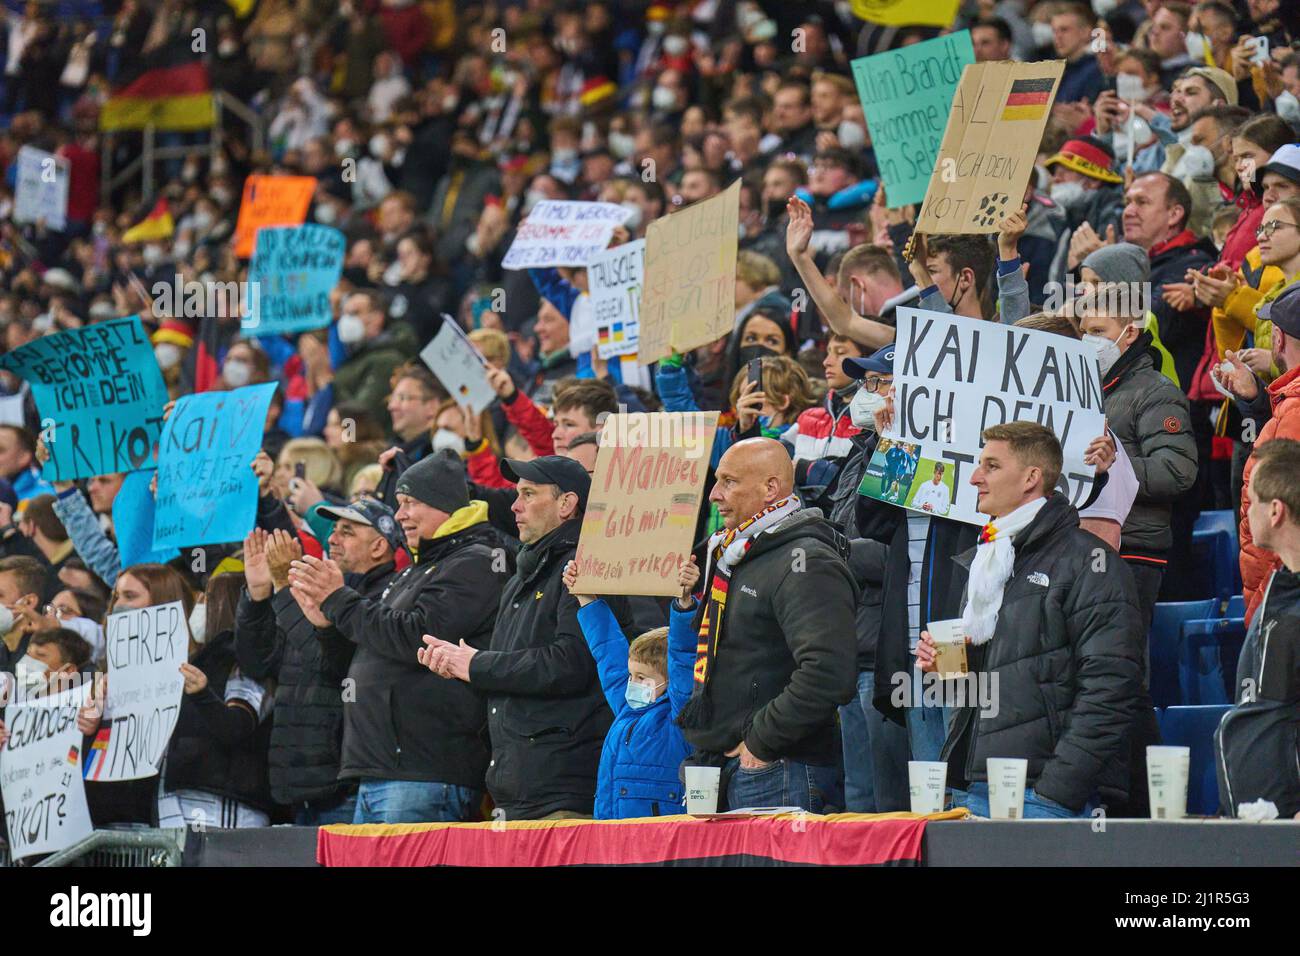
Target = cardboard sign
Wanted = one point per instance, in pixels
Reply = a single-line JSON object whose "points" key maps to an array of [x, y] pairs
{"points": [[207, 492], [459, 365], [41, 188], [40, 774], [562, 233], [906, 94], [100, 396], [645, 498], [271, 201], [988, 150], [904, 13], [688, 298], [955, 377], [146, 648], [614, 279], [293, 271], [133, 508]]}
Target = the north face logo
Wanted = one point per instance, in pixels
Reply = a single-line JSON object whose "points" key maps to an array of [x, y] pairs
{"points": [[1039, 578]]}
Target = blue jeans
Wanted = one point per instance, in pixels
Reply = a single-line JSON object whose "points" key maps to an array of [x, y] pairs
{"points": [[414, 801], [976, 800], [344, 811], [927, 727], [875, 755], [785, 783]]}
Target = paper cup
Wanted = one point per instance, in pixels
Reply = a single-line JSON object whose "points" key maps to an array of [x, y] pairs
{"points": [[1167, 769], [927, 781], [702, 789], [1007, 787]]}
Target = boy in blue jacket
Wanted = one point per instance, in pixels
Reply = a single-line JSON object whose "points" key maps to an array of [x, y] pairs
{"points": [[646, 685]]}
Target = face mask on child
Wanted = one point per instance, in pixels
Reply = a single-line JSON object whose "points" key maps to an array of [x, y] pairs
{"points": [[639, 694]]}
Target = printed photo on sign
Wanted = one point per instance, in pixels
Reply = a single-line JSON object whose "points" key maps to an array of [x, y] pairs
{"points": [[145, 649], [99, 394], [955, 377], [563, 233], [207, 492], [41, 188], [40, 775]]}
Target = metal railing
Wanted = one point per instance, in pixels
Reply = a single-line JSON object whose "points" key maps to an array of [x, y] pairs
{"points": [[142, 166], [123, 848]]}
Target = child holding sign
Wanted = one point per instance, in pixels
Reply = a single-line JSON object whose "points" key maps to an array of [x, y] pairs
{"points": [[645, 690]]}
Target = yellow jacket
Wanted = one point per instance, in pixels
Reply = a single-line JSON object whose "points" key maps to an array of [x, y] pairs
{"points": [[1259, 284]]}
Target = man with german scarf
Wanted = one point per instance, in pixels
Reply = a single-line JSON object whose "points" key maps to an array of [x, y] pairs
{"points": [[777, 652]]}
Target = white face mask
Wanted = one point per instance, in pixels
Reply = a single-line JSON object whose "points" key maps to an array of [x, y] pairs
{"points": [[531, 198], [1103, 7], [1108, 351], [863, 408], [663, 98], [351, 329], [851, 135], [675, 45], [343, 147], [1196, 46], [633, 221], [152, 255], [237, 373], [6, 619], [203, 221], [1197, 162], [446, 438], [168, 354], [30, 672], [1042, 33], [1067, 194], [227, 48], [326, 214], [378, 145], [199, 623], [622, 145], [1288, 106]]}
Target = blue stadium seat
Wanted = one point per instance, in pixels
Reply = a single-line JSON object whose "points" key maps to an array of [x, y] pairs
{"points": [[1216, 568], [1236, 607], [1165, 641], [1194, 727], [1207, 666], [1225, 520]]}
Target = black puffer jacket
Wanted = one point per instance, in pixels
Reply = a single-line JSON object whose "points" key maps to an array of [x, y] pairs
{"points": [[218, 747], [274, 641], [1150, 416], [786, 657], [1067, 660], [401, 721], [1257, 745], [546, 712], [856, 516]]}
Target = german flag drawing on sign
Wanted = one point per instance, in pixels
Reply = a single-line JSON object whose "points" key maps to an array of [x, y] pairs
{"points": [[1028, 99], [169, 90]]}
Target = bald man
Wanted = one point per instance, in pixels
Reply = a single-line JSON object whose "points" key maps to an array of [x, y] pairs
{"points": [[777, 653]]}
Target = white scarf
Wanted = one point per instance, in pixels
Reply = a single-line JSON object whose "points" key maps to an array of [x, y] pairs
{"points": [[995, 558]]}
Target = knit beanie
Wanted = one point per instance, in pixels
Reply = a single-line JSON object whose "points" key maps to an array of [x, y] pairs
{"points": [[438, 480], [1120, 262]]}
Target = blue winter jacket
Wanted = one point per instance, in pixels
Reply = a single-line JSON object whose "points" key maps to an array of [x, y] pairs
{"points": [[638, 774]]}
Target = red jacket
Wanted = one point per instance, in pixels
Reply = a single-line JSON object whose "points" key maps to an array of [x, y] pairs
{"points": [[1258, 564]]}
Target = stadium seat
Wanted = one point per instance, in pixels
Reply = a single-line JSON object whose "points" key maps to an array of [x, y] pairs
{"points": [[1164, 643], [1207, 665], [1194, 727], [1216, 570], [1236, 607], [1225, 520]]}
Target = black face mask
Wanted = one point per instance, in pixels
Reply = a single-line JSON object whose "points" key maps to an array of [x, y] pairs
{"points": [[773, 209], [357, 276], [749, 352]]}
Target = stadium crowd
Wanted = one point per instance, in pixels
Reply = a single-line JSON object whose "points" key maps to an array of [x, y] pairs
{"points": [[401, 638]]}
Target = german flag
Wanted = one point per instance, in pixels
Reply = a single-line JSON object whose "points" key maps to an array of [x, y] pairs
{"points": [[169, 89], [157, 225], [1028, 99]]}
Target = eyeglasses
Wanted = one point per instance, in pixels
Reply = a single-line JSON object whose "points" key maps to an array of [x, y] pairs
{"points": [[62, 613], [873, 382], [1267, 229]]}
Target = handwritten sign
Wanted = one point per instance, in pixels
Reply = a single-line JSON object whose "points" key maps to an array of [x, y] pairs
{"points": [[906, 95], [146, 648], [561, 233], [988, 149], [99, 394], [271, 201], [40, 774], [644, 502], [41, 188], [459, 365], [133, 508], [614, 279], [955, 377], [290, 277], [904, 13], [688, 297], [207, 492]]}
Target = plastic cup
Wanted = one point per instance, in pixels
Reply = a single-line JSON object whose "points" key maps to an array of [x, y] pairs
{"points": [[702, 789], [1007, 787], [927, 783], [1167, 769]]}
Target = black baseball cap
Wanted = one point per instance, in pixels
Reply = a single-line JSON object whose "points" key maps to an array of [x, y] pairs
{"points": [[565, 473], [1284, 311], [370, 512]]}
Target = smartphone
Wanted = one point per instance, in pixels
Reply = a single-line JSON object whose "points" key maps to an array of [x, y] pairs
{"points": [[1259, 50], [756, 372], [300, 469]]}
